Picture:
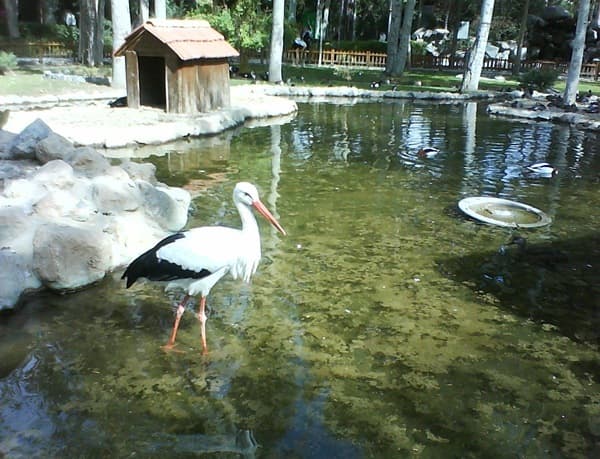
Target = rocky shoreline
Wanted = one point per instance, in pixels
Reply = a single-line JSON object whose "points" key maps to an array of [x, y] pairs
{"points": [[68, 217]]}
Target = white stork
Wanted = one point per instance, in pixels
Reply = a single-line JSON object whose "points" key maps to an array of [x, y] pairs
{"points": [[196, 259]]}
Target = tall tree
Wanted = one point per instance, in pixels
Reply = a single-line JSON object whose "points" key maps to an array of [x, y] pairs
{"points": [[474, 63], [322, 24], [276, 42], [405, 32], [91, 28], [393, 38], [121, 25], [399, 36], [144, 11], [291, 10], [521, 39], [160, 9], [11, 10], [578, 46]]}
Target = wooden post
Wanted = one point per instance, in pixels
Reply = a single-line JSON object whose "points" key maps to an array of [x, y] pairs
{"points": [[132, 79]]}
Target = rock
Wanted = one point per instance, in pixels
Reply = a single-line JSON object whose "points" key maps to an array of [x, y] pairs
{"points": [[112, 195], [140, 171], [15, 276], [15, 169], [52, 147], [23, 145], [166, 206], [6, 139], [56, 173], [68, 257], [87, 161]]}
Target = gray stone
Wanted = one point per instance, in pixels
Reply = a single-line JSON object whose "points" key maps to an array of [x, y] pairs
{"points": [[6, 138], [140, 171], [69, 257], [53, 147], [15, 277], [112, 195], [23, 145], [168, 207], [56, 173], [88, 161]]}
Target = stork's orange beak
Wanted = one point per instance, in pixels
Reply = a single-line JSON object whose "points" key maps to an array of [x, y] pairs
{"points": [[261, 209]]}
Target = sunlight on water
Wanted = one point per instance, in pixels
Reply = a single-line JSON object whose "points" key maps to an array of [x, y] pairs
{"points": [[386, 324]]}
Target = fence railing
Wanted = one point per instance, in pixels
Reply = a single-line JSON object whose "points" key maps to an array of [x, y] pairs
{"points": [[378, 60], [333, 57], [37, 49]]}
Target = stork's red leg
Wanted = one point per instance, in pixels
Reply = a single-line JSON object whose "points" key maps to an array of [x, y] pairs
{"points": [[178, 314], [202, 318]]}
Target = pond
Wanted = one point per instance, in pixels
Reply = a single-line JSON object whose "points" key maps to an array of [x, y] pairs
{"points": [[385, 324]]}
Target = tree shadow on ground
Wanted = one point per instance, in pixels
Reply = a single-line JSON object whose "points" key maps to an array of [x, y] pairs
{"points": [[557, 282]]}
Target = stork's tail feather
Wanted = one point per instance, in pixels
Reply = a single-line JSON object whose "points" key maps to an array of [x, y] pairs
{"points": [[143, 265]]}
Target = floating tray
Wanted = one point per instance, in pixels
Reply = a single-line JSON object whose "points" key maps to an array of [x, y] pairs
{"points": [[503, 212]]}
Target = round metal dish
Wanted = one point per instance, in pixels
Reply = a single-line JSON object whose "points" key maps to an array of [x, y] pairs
{"points": [[503, 212]]}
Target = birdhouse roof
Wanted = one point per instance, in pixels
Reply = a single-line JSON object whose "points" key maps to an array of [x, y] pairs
{"points": [[188, 39]]}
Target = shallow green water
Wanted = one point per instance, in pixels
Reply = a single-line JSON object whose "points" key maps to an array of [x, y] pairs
{"points": [[386, 324]]}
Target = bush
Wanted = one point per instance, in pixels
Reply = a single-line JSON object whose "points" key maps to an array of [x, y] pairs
{"points": [[361, 46], [8, 61], [541, 79]]}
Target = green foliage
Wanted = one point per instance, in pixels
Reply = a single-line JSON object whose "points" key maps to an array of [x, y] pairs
{"points": [[8, 61], [503, 28], [374, 46], [418, 47], [540, 79], [245, 25]]}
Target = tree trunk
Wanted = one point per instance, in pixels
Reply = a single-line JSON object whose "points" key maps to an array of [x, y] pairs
{"points": [[12, 18], [323, 14], [403, 47], [340, 29], [578, 46], [160, 9], [474, 63], [393, 39], [521, 39], [91, 24], [144, 11], [276, 42], [291, 10], [121, 23]]}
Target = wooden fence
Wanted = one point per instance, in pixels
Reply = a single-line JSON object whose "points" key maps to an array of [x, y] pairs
{"points": [[37, 49], [378, 60], [329, 57]]}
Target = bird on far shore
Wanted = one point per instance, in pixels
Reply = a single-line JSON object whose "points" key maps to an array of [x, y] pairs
{"points": [[196, 259]]}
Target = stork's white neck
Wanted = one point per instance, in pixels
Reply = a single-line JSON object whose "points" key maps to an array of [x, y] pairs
{"points": [[248, 263], [249, 225]]}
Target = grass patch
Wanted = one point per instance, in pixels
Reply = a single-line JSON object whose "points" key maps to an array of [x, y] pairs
{"points": [[30, 80], [414, 80]]}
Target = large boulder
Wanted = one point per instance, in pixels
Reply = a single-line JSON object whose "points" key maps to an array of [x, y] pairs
{"points": [[68, 217], [23, 145], [115, 193], [52, 147], [16, 279], [68, 257], [88, 161], [166, 206]]}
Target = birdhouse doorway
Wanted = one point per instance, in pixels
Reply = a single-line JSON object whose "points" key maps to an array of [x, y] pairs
{"points": [[152, 81]]}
